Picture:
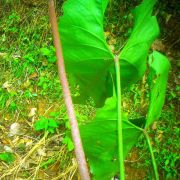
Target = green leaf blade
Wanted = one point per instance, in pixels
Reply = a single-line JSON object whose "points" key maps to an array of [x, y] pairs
{"points": [[134, 54], [159, 68], [100, 140], [86, 53]]}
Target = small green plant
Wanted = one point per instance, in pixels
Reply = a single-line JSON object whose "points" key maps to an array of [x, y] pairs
{"points": [[44, 82], [102, 75], [48, 86], [46, 124], [7, 157], [68, 141], [12, 24], [13, 106], [49, 53]]}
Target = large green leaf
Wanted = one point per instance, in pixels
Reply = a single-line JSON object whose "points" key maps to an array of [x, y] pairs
{"points": [[100, 140], [134, 54], [86, 53], [159, 68]]}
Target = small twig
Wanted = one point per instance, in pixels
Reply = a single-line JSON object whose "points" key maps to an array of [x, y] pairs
{"points": [[79, 152], [16, 169], [47, 110], [129, 161], [35, 139], [63, 175], [38, 167]]}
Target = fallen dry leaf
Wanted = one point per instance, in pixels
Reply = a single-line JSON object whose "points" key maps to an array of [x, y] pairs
{"points": [[6, 85], [32, 112], [154, 126], [8, 149], [111, 47], [112, 41], [107, 33], [41, 152], [14, 129], [158, 46], [29, 142], [33, 76], [3, 54], [26, 84]]}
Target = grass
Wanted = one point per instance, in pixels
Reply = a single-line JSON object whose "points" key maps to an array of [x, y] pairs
{"points": [[30, 92]]}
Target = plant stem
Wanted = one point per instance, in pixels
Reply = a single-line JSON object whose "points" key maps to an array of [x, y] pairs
{"points": [[152, 155], [79, 152], [120, 134]]}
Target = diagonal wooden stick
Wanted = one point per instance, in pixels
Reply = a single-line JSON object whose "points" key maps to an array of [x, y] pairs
{"points": [[79, 152]]}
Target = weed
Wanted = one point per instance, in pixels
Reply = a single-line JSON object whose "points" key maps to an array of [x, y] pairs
{"points": [[7, 157], [46, 124]]}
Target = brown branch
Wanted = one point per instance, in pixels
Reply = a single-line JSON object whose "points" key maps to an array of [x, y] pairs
{"points": [[79, 152]]}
